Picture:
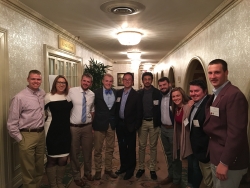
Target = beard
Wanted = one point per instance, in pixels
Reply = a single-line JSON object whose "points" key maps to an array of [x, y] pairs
{"points": [[166, 92]]}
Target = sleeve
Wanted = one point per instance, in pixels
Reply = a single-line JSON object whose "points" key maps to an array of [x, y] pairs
{"points": [[13, 119], [92, 108], [237, 106]]}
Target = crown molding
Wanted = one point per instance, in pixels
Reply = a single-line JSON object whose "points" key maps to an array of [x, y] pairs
{"points": [[221, 10], [21, 8]]}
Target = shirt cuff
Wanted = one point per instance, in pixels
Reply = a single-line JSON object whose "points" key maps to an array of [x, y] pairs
{"points": [[223, 163]]}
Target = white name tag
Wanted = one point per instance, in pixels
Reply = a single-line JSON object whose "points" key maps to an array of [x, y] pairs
{"points": [[214, 111], [186, 122], [118, 99], [196, 123], [156, 102]]}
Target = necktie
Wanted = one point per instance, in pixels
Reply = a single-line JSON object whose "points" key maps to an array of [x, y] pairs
{"points": [[108, 91], [84, 108]]}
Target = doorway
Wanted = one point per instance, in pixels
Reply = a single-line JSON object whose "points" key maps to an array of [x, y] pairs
{"points": [[171, 77], [4, 106], [195, 70]]}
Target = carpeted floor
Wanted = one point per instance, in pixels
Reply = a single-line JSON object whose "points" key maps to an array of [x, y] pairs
{"points": [[144, 181]]}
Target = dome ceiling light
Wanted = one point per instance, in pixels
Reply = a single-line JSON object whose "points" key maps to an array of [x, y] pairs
{"points": [[134, 55], [129, 37]]}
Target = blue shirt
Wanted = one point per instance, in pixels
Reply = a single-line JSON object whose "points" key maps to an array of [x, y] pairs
{"points": [[123, 103], [109, 98], [217, 91]]}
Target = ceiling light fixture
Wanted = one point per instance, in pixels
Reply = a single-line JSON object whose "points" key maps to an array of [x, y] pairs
{"points": [[129, 37], [136, 62], [134, 55]]}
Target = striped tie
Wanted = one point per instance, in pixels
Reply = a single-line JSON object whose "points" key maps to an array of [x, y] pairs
{"points": [[84, 108]]}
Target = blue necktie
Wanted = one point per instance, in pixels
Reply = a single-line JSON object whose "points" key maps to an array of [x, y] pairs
{"points": [[108, 91], [84, 108]]}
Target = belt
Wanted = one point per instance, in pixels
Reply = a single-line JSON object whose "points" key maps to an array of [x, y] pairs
{"points": [[168, 126], [148, 119], [38, 130], [79, 125]]}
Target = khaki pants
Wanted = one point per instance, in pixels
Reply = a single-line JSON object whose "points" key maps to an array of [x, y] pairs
{"points": [[207, 174], [81, 136], [31, 151], [99, 137], [148, 129]]}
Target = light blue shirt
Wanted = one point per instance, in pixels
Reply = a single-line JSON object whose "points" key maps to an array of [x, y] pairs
{"points": [[196, 106], [123, 102], [109, 98], [217, 91]]}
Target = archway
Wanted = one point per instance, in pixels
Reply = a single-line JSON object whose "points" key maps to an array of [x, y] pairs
{"points": [[162, 74], [171, 76], [195, 70]]}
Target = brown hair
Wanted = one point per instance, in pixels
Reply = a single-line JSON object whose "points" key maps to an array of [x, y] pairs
{"points": [[54, 90], [185, 98], [34, 72]]}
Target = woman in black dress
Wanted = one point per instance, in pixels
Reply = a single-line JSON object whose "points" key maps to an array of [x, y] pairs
{"points": [[57, 130]]}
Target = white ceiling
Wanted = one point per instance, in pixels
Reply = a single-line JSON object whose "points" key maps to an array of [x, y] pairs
{"points": [[164, 23]]}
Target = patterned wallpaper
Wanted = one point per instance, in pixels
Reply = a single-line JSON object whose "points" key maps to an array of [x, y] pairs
{"points": [[227, 38], [25, 46]]}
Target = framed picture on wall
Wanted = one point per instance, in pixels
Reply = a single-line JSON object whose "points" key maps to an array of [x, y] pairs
{"points": [[119, 79]]}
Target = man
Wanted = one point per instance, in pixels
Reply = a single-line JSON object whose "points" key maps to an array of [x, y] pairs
{"points": [[104, 126], [226, 124], [26, 126], [198, 162], [81, 129], [129, 119], [151, 99], [167, 131]]}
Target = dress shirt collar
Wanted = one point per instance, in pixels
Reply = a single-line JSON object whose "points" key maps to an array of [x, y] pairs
{"points": [[32, 91], [126, 92], [217, 91], [197, 104], [81, 90]]}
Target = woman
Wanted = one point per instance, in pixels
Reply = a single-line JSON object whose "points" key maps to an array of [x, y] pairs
{"points": [[57, 130], [181, 107]]}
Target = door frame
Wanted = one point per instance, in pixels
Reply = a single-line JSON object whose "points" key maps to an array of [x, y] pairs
{"points": [[5, 168]]}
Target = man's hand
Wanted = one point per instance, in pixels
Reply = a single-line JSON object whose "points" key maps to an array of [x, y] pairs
{"points": [[221, 171]]}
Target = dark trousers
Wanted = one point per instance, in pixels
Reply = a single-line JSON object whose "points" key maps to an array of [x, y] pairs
{"points": [[194, 172], [127, 146]]}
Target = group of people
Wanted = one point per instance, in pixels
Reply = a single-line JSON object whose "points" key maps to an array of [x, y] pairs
{"points": [[209, 130]]}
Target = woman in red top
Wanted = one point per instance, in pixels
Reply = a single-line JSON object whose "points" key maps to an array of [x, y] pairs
{"points": [[181, 109]]}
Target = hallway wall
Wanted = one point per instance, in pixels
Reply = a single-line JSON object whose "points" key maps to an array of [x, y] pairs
{"points": [[227, 38], [25, 44]]}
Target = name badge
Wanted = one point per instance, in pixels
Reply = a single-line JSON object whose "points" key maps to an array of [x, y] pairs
{"points": [[185, 122], [196, 123], [214, 111], [118, 99], [156, 102]]}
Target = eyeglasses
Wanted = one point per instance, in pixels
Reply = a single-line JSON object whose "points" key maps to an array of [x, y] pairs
{"points": [[127, 80], [63, 83]]}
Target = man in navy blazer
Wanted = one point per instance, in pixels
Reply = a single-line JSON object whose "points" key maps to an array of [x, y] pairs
{"points": [[199, 161], [226, 124], [129, 119], [104, 126]]}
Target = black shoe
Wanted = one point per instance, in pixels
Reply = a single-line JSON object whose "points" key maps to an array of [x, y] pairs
{"points": [[118, 172], [153, 175], [139, 173], [127, 176]]}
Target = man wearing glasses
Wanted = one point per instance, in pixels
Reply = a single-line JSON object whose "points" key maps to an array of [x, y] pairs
{"points": [[129, 119]]}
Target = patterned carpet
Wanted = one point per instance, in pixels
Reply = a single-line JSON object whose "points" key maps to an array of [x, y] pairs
{"points": [[143, 182]]}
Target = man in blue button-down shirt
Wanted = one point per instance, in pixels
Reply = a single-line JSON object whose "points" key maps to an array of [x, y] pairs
{"points": [[104, 126]]}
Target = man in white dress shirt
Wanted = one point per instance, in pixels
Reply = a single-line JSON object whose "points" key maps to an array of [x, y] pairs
{"points": [[81, 128]]}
